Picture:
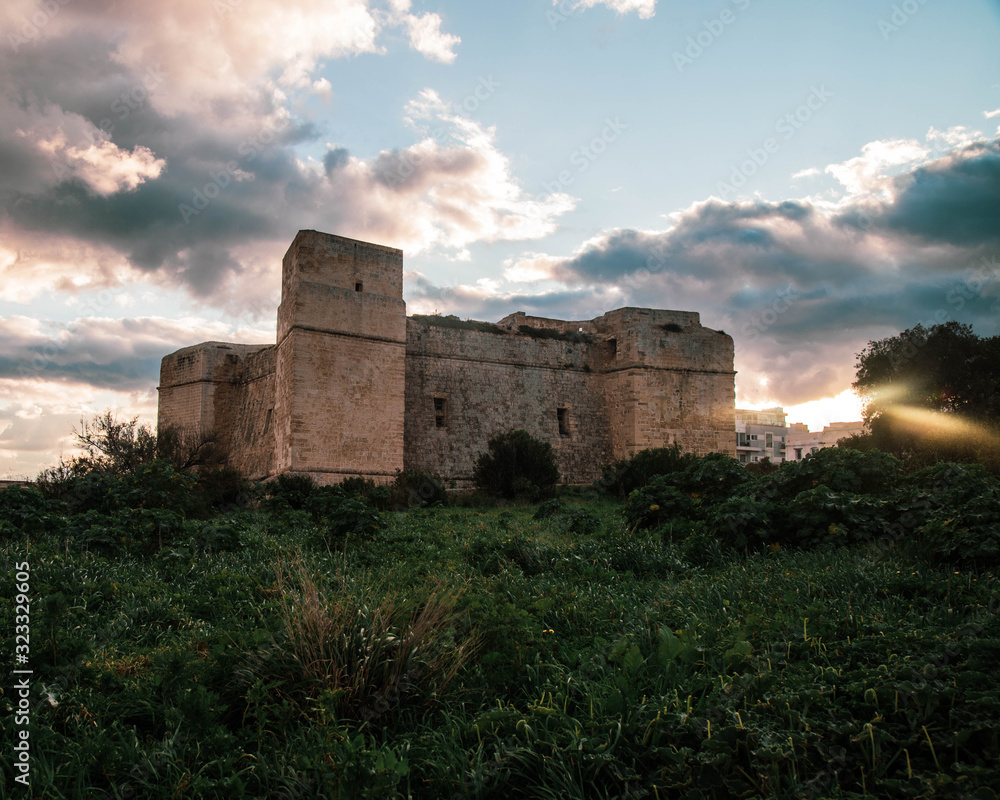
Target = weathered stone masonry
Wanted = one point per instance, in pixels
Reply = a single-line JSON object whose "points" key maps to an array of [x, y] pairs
{"points": [[355, 387]]}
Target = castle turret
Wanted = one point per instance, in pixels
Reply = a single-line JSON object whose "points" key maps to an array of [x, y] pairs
{"points": [[340, 366]]}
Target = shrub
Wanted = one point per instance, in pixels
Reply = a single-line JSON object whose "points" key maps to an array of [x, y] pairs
{"points": [[222, 489], [657, 503], [628, 474], [958, 506], [743, 522], [289, 491], [415, 488], [25, 509], [352, 516], [516, 465], [714, 477], [839, 469]]}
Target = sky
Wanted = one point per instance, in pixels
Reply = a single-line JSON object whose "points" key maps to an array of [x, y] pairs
{"points": [[807, 176]]}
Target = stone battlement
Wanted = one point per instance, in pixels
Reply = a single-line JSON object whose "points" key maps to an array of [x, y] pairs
{"points": [[355, 387]]}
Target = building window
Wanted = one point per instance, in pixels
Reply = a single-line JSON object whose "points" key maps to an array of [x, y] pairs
{"points": [[359, 287], [267, 420], [562, 415], [440, 412], [611, 349], [768, 440]]}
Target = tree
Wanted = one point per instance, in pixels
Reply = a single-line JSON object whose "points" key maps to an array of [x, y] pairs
{"points": [[516, 464], [113, 445], [932, 394]]}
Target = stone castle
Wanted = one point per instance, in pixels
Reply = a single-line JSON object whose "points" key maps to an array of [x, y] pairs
{"points": [[355, 387]]}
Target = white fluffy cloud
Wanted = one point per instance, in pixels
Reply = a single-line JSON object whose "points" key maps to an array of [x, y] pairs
{"points": [[645, 8], [446, 191]]}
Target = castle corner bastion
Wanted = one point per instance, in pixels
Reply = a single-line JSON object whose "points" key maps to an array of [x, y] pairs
{"points": [[353, 386]]}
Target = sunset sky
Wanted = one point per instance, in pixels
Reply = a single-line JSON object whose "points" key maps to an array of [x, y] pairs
{"points": [[808, 176]]}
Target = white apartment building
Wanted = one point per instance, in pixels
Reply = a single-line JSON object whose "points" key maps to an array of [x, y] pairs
{"points": [[760, 434]]}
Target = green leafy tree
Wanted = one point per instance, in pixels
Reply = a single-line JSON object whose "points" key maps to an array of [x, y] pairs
{"points": [[932, 394]]}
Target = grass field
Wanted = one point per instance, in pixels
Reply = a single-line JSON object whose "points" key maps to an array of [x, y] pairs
{"points": [[464, 652]]}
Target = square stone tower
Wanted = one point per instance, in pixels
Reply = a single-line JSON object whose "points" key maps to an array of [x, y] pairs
{"points": [[341, 349]]}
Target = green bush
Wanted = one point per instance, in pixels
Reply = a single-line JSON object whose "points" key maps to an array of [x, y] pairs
{"points": [[626, 475], [516, 465], [657, 503], [839, 469], [959, 508], [289, 491], [354, 517], [415, 488], [23, 508]]}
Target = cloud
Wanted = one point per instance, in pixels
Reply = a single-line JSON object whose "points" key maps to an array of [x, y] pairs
{"points": [[123, 165], [102, 353], [802, 285], [645, 8], [427, 38]]}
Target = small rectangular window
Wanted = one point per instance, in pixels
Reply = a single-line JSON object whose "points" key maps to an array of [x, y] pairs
{"points": [[440, 412], [768, 440], [358, 286], [267, 420], [562, 415]]}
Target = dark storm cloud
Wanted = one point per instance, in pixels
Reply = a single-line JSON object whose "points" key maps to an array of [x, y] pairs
{"points": [[120, 355], [335, 159], [955, 201]]}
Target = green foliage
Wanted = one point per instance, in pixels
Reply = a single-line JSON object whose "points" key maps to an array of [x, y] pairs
{"points": [[839, 469], [416, 488], [626, 475], [24, 509], [352, 517], [516, 464], [289, 491], [658, 502], [555, 333], [451, 321], [932, 394], [737, 648]]}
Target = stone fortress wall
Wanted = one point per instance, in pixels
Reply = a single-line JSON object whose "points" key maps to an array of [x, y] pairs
{"points": [[355, 387]]}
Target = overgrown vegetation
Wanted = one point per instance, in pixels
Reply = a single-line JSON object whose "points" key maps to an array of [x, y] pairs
{"points": [[829, 630], [555, 333], [451, 321]]}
